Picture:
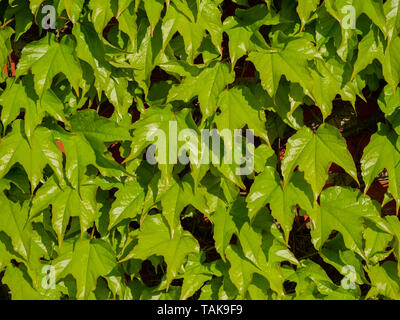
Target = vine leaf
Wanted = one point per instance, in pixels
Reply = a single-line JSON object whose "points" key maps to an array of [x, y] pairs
{"points": [[392, 13], [241, 270], [13, 221], [197, 272], [153, 9], [5, 46], [224, 228], [213, 80], [192, 19], [73, 8], [13, 99], [343, 210], [376, 243], [101, 13], [33, 157], [314, 152], [290, 61], [385, 280], [239, 107], [128, 204], [243, 30], [96, 128], [46, 57], [208, 85], [158, 123], [382, 153], [304, 9], [391, 64], [20, 288], [66, 202], [371, 47], [267, 188], [90, 260], [154, 239], [394, 227]]}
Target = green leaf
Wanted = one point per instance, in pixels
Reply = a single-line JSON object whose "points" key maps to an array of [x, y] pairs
{"points": [[153, 10], [264, 156], [42, 151], [313, 283], [374, 10], [287, 100], [159, 123], [267, 188], [392, 13], [243, 30], [173, 201], [290, 61], [23, 17], [179, 18], [34, 5], [209, 17], [251, 243], [385, 280], [66, 202], [5, 255], [197, 272], [13, 99], [90, 260], [259, 288], [382, 153], [191, 19], [394, 226], [241, 270], [154, 239], [94, 127], [239, 108], [214, 79], [128, 203], [391, 63], [102, 12], [371, 47], [305, 8], [376, 243], [53, 106], [328, 79], [79, 154], [73, 9], [19, 286], [388, 100], [5, 46], [13, 221], [90, 49], [47, 58], [127, 23], [343, 210], [148, 55], [314, 152], [224, 228], [348, 263]]}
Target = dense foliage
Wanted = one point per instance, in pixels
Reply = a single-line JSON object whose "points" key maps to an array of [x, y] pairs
{"points": [[83, 214]]}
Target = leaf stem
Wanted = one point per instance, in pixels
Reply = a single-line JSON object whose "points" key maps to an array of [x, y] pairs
{"points": [[6, 23]]}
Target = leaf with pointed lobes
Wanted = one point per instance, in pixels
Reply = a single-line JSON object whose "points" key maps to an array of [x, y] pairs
{"points": [[314, 153]]}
